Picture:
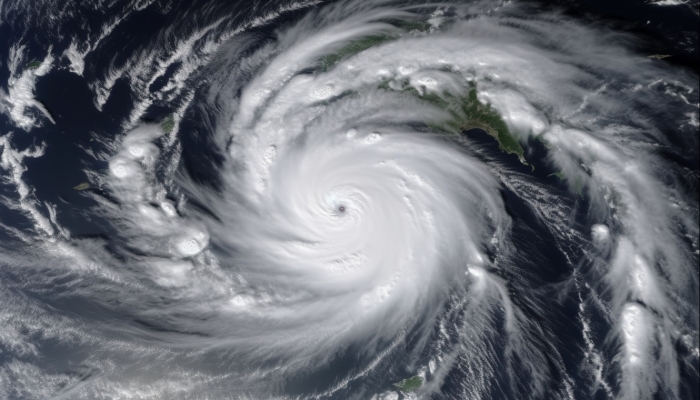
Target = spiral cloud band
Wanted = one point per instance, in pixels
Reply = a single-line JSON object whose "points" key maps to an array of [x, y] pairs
{"points": [[359, 200]]}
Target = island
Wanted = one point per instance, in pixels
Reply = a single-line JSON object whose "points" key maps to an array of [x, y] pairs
{"points": [[466, 112], [410, 384]]}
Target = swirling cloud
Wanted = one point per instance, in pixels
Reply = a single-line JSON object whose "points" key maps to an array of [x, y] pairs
{"points": [[349, 227]]}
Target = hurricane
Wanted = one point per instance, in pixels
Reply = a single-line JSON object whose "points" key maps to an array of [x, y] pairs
{"points": [[343, 200]]}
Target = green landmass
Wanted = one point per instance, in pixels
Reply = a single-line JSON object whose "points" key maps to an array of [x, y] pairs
{"points": [[544, 141], [34, 64], [576, 185], [366, 42], [659, 56], [469, 113], [168, 124], [353, 48], [410, 384], [82, 186], [481, 116], [559, 175]]}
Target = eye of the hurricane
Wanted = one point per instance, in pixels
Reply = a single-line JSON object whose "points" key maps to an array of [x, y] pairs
{"points": [[341, 209]]}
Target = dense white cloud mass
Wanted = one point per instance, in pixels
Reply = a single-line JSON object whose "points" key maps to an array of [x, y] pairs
{"points": [[349, 236]]}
